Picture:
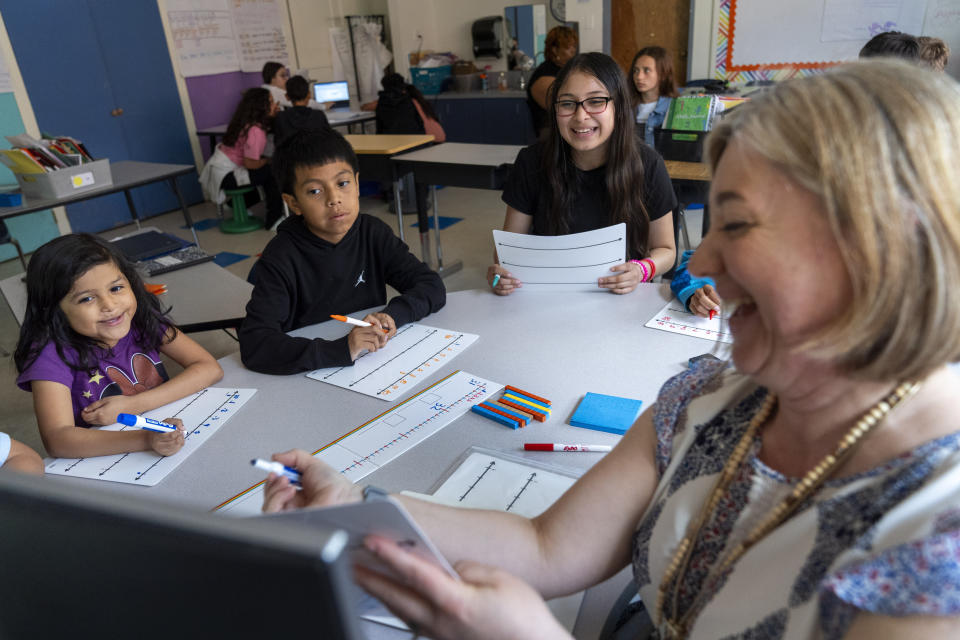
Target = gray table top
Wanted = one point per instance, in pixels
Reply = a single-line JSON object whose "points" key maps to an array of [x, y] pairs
{"points": [[201, 293], [332, 117], [492, 155], [556, 345], [126, 174]]}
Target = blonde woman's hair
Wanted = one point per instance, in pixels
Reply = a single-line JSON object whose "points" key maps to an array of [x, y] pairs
{"points": [[877, 141]]}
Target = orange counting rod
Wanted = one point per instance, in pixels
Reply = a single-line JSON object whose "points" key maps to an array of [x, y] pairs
{"points": [[540, 417], [528, 394], [526, 414], [487, 405]]}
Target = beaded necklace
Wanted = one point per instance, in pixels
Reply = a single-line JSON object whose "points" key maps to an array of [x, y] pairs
{"points": [[678, 625]]}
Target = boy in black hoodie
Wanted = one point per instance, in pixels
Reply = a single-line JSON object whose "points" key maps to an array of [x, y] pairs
{"points": [[299, 117], [328, 259]]}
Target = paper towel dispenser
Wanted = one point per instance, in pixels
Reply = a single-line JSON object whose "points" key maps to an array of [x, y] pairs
{"points": [[487, 33]]}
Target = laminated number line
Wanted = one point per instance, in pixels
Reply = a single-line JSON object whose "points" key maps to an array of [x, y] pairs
{"points": [[406, 360]]}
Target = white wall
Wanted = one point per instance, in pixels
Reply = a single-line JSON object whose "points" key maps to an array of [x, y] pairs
{"points": [[311, 20]]}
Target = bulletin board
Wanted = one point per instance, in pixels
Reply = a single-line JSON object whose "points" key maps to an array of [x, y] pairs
{"points": [[763, 40], [222, 36]]}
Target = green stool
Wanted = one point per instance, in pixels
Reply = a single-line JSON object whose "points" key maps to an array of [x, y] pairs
{"points": [[240, 222]]}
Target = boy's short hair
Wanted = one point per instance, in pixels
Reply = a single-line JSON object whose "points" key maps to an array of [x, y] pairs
{"points": [[310, 148], [297, 89]]}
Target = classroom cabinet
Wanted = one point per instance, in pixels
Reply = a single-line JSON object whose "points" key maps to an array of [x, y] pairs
{"points": [[109, 83], [485, 120]]}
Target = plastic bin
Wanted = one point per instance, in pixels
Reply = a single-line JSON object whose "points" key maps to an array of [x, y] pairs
{"points": [[683, 146], [430, 80], [66, 181]]}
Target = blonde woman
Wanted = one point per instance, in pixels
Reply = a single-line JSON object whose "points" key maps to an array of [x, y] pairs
{"points": [[811, 490]]}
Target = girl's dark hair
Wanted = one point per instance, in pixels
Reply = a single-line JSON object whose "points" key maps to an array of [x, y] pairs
{"points": [[667, 84], [51, 273], [624, 173], [269, 70], [394, 82], [254, 108]]}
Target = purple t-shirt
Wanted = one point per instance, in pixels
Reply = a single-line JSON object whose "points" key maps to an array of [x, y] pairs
{"points": [[125, 370]]}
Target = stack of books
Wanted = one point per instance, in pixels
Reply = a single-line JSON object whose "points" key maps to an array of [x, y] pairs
{"points": [[32, 156]]}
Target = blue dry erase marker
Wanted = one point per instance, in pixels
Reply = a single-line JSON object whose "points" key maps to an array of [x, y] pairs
{"points": [[144, 423], [496, 281], [280, 469]]}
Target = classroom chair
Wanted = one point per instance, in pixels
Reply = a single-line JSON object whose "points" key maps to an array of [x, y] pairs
{"points": [[6, 238], [241, 222]]}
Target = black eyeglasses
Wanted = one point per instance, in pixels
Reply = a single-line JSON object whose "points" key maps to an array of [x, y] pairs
{"points": [[593, 106]]}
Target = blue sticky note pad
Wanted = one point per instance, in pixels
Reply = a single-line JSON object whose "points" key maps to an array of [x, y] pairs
{"points": [[612, 414]]}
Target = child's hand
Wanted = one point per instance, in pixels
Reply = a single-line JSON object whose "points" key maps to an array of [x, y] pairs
{"points": [[505, 284], [167, 444], [703, 301], [365, 339], [385, 322], [103, 412], [322, 485], [627, 280]]}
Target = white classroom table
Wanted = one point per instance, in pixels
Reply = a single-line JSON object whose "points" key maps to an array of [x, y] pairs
{"points": [[555, 345], [455, 164], [201, 297]]}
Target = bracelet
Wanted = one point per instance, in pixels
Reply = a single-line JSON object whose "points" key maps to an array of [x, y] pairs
{"points": [[643, 269], [653, 267]]}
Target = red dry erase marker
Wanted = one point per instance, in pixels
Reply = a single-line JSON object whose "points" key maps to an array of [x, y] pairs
{"points": [[590, 448], [713, 312]]}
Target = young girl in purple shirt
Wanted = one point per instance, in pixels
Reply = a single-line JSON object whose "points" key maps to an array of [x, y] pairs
{"points": [[90, 348]]}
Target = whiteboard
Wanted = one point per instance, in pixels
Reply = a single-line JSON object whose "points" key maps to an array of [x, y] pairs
{"points": [[775, 40]]}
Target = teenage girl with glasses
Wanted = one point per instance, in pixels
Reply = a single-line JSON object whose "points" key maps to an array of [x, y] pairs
{"points": [[591, 172]]}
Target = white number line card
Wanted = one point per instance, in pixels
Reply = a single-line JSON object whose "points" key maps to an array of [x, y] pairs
{"points": [[376, 442], [407, 359], [675, 319], [570, 262], [487, 479], [202, 413]]}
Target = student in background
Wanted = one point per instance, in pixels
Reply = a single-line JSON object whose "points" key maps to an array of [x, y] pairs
{"points": [[934, 52], [590, 172], [275, 77], [401, 108], [16, 456], [298, 117], [329, 259], [239, 158], [560, 45], [653, 88], [892, 44], [90, 349]]}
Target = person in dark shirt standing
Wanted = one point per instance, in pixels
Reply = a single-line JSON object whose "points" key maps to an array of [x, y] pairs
{"points": [[559, 47], [299, 117], [329, 259]]}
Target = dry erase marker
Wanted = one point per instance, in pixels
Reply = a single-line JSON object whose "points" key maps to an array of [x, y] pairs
{"points": [[280, 469], [590, 448], [354, 321], [713, 312], [496, 281], [140, 422]]}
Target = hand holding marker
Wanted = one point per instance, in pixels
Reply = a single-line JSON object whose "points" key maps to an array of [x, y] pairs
{"points": [[140, 422], [280, 469], [354, 321]]}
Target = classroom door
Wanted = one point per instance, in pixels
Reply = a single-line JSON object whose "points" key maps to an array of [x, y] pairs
{"points": [[107, 56], [642, 23]]}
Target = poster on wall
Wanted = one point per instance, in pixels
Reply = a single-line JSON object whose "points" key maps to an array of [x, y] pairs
{"points": [[204, 37], [259, 31]]}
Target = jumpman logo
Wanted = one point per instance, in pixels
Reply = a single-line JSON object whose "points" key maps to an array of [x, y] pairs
{"points": [[360, 279]]}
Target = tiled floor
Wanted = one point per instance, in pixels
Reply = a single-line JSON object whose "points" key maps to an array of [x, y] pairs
{"points": [[468, 240]]}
